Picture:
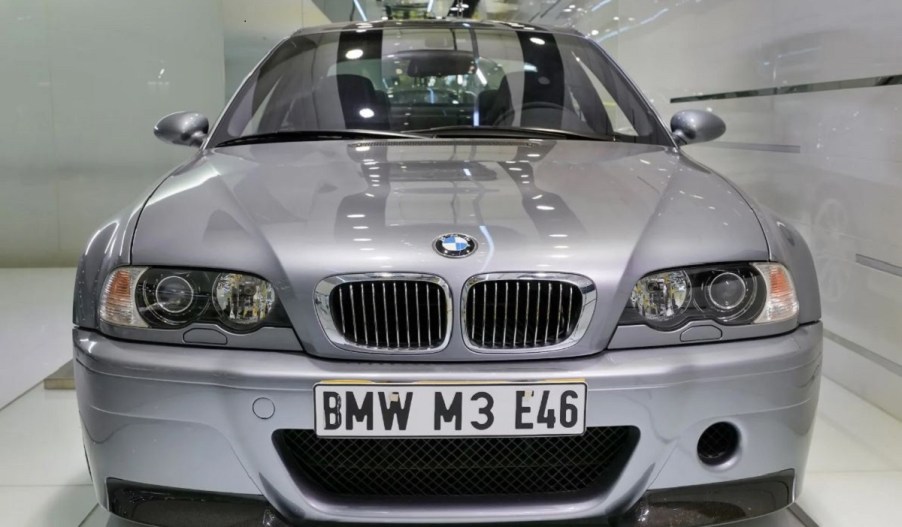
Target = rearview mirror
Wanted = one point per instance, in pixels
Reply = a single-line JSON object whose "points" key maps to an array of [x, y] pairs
{"points": [[182, 128], [696, 126], [440, 63]]}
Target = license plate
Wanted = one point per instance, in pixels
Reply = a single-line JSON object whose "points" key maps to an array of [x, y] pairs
{"points": [[428, 410]]}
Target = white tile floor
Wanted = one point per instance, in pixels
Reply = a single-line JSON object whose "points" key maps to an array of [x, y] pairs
{"points": [[854, 475]]}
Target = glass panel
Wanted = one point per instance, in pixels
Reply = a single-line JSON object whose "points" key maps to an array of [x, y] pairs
{"points": [[427, 80], [620, 123]]}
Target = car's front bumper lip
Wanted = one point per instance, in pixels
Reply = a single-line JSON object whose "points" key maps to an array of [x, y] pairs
{"points": [[182, 418], [696, 506]]}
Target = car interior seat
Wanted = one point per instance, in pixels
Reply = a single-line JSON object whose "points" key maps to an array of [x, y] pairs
{"points": [[539, 105], [361, 106]]}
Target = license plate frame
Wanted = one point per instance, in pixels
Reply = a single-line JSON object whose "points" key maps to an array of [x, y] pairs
{"points": [[454, 418]]}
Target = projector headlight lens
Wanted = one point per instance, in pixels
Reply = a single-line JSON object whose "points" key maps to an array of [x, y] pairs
{"points": [[170, 297], [726, 291], [174, 294]]}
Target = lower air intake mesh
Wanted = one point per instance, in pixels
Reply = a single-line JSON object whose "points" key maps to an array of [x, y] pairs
{"points": [[457, 466]]}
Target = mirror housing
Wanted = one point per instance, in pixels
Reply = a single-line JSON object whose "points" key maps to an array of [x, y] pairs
{"points": [[182, 128], [696, 126]]}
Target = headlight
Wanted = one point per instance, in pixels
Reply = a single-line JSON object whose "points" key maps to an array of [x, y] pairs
{"points": [[171, 298], [241, 300], [175, 298], [662, 297], [732, 294]]}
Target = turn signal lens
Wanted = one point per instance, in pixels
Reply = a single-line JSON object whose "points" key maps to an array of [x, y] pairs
{"points": [[117, 301], [782, 303], [242, 301]]}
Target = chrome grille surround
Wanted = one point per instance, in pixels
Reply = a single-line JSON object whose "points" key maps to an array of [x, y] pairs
{"points": [[563, 282], [385, 317]]}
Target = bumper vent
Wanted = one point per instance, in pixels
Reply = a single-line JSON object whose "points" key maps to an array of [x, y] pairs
{"points": [[718, 443], [527, 312], [458, 466], [385, 312]]}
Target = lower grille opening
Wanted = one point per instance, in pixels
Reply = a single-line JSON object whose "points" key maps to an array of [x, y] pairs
{"points": [[482, 466]]}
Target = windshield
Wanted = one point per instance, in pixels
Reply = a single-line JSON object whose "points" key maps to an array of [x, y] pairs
{"points": [[439, 81]]}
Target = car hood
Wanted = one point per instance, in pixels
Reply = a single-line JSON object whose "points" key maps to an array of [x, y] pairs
{"points": [[296, 213]]}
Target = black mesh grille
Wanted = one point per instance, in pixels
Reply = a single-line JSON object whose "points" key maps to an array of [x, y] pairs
{"points": [[718, 443], [515, 314], [391, 314], [457, 466]]}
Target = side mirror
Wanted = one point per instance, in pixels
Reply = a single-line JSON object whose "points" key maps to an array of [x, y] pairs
{"points": [[182, 128], [696, 126]]}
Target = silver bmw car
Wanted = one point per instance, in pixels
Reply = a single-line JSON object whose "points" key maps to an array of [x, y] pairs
{"points": [[444, 272]]}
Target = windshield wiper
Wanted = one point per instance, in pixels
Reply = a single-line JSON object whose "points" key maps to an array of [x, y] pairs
{"points": [[316, 135], [425, 133], [509, 131]]}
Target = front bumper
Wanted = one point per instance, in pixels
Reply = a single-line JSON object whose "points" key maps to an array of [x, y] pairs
{"points": [[180, 418]]}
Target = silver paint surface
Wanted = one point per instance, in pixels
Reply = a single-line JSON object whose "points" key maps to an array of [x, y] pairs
{"points": [[139, 402], [696, 126], [182, 128]]}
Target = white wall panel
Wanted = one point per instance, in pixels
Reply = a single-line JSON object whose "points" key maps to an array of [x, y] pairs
{"points": [[253, 28], [27, 198], [84, 83], [826, 40]]}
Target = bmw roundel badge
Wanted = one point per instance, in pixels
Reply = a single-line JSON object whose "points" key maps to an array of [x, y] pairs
{"points": [[454, 245]]}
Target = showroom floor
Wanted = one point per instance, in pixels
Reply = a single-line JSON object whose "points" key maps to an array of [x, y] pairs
{"points": [[854, 470]]}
